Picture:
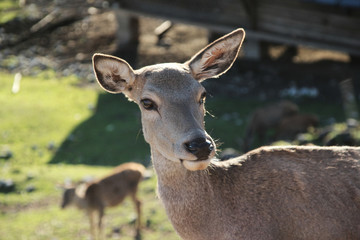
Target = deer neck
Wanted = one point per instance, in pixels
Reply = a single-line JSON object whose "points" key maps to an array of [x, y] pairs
{"points": [[168, 172], [186, 195], [178, 185], [79, 198]]}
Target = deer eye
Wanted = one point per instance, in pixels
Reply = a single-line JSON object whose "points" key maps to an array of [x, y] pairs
{"points": [[202, 98], [148, 104]]}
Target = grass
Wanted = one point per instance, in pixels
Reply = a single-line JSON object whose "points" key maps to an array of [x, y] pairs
{"points": [[9, 9], [49, 114], [57, 131], [43, 112]]}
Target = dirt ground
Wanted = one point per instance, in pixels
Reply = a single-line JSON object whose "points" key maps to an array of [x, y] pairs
{"points": [[68, 45]]}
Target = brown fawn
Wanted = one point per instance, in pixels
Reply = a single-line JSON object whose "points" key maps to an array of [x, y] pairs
{"points": [[108, 191], [269, 193]]}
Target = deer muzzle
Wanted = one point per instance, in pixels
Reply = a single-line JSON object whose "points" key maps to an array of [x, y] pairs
{"points": [[200, 147], [203, 149]]}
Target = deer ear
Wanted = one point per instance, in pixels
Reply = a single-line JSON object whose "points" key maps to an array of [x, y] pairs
{"points": [[216, 58], [113, 74]]}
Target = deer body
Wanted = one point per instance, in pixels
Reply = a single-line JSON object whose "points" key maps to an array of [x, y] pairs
{"points": [[108, 191], [268, 193], [291, 126]]}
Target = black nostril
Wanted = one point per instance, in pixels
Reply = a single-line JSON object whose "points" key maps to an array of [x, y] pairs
{"points": [[192, 147], [211, 146], [200, 147]]}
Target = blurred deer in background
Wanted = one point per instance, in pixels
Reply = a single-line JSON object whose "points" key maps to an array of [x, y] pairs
{"points": [[270, 193], [291, 126], [108, 191], [265, 118]]}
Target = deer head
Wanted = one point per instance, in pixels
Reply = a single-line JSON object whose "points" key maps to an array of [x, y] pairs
{"points": [[171, 98]]}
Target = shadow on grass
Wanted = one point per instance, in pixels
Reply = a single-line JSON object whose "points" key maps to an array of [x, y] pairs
{"points": [[112, 135]]}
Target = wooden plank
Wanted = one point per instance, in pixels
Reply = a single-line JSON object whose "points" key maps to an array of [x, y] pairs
{"points": [[308, 23], [185, 14], [352, 23], [267, 20], [298, 4], [284, 39], [303, 33]]}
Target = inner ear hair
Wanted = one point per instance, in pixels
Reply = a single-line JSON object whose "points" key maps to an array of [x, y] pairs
{"points": [[216, 58], [113, 74]]}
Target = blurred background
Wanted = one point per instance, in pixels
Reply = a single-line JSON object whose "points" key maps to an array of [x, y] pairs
{"points": [[297, 81]]}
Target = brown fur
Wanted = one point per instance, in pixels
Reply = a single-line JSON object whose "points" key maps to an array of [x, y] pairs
{"points": [[265, 118], [270, 193], [108, 191], [291, 126]]}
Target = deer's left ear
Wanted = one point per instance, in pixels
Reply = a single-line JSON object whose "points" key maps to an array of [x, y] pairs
{"points": [[216, 58]]}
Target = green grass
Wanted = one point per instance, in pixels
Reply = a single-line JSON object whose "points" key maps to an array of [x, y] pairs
{"points": [[43, 112], [9, 9], [82, 125], [6, 4]]}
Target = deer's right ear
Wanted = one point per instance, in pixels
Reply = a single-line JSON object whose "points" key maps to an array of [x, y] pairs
{"points": [[113, 74]]}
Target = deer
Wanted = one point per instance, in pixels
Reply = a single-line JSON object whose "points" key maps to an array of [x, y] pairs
{"points": [[267, 117], [293, 192], [109, 191], [291, 126]]}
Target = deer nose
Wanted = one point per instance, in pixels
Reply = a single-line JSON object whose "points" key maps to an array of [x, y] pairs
{"points": [[200, 147]]}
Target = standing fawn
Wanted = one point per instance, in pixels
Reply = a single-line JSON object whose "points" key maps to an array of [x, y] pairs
{"points": [[268, 193], [108, 191]]}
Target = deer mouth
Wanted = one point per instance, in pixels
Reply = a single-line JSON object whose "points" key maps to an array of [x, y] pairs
{"points": [[195, 165]]}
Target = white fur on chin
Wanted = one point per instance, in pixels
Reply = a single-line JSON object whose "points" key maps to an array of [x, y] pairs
{"points": [[196, 165]]}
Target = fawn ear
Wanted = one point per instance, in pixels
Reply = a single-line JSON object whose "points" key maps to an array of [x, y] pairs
{"points": [[113, 74], [216, 58]]}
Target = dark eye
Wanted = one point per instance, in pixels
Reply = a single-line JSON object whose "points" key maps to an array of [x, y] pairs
{"points": [[148, 104], [202, 98]]}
